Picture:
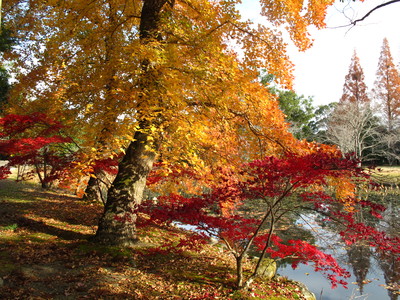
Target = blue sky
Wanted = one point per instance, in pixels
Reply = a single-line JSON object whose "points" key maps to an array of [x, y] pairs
{"points": [[320, 71]]}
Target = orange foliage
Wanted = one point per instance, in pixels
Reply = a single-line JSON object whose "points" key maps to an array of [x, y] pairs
{"points": [[204, 104]]}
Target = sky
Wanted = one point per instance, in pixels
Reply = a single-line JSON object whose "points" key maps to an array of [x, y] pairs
{"points": [[320, 71]]}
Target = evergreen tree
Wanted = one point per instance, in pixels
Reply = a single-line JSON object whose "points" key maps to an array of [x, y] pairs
{"points": [[298, 112]]}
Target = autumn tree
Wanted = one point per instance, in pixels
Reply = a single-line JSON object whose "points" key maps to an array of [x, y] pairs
{"points": [[168, 82], [354, 129], [386, 94], [354, 88], [387, 87], [34, 141], [351, 125], [322, 183]]}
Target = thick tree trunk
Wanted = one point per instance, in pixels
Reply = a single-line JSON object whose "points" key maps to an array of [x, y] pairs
{"points": [[118, 223], [117, 226]]}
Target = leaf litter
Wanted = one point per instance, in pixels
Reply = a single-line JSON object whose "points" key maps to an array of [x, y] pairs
{"points": [[45, 254]]}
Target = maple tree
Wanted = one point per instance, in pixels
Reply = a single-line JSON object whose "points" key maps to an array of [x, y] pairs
{"points": [[158, 81], [276, 188], [34, 140]]}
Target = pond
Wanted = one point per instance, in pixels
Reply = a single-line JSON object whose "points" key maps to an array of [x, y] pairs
{"points": [[371, 272], [371, 287]]}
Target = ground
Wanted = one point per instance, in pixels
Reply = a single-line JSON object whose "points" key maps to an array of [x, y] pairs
{"points": [[46, 253]]}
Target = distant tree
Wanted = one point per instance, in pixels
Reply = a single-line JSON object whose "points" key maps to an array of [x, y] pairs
{"points": [[34, 141], [386, 91], [386, 95], [298, 112], [4, 87], [6, 42], [319, 124], [351, 126], [354, 88]]}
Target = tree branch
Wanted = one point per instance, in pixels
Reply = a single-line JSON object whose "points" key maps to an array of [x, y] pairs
{"points": [[354, 23]]}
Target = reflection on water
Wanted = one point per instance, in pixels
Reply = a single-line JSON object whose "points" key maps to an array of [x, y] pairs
{"points": [[375, 275], [372, 286]]}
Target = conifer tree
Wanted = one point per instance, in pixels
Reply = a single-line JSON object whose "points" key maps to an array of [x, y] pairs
{"points": [[351, 124], [354, 88], [387, 87], [386, 94]]}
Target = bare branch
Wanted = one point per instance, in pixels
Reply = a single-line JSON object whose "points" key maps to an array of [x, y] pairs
{"points": [[372, 10], [354, 22]]}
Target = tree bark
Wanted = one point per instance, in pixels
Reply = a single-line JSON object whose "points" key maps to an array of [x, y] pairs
{"points": [[117, 226], [93, 191]]}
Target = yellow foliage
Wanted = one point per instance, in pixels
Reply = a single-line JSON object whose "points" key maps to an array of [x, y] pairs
{"points": [[194, 90], [345, 191]]}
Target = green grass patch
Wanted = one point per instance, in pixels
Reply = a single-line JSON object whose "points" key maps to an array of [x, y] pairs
{"points": [[387, 175], [16, 192], [40, 237], [11, 227]]}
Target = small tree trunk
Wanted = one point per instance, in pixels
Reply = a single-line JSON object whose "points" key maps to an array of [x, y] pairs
{"points": [[239, 272], [117, 226], [43, 183], [92, 191], [96, 188]]}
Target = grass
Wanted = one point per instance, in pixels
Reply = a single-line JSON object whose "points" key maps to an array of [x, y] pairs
{"points": [[45, 254], [387, 175]]}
